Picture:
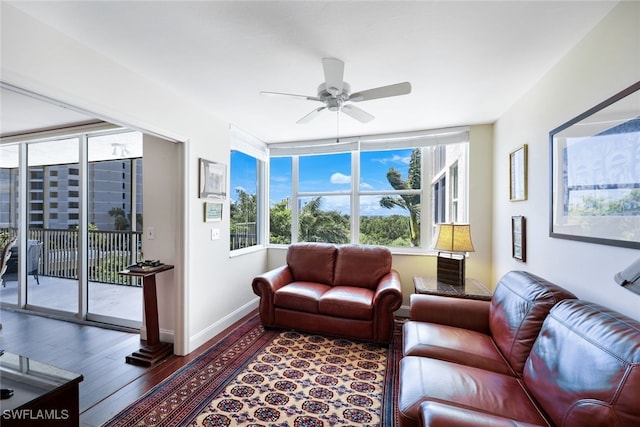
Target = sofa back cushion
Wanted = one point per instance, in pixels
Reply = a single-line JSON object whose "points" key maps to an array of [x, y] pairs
{"points": [[361, 265], [519, 305], [312, 262], [584, 368]]}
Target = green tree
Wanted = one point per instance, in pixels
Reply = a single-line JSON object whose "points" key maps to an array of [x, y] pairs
{"points": [[409, 202], [280, 223], [317, 225], [120, 221]]}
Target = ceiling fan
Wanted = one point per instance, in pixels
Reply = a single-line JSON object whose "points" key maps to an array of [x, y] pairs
{"points": [[336, 94]]}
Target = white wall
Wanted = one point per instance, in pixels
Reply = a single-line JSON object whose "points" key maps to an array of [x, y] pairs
{"points": [[209, 291], [606, 61]]}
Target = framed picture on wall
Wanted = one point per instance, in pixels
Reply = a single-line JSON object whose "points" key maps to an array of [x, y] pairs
{"points": [[519, 238], [213, 211], [518, 174], [213, 179], [595, 173]]}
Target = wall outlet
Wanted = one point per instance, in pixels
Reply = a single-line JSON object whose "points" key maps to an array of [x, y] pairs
{"points": [[151, 233], [215, 233]]}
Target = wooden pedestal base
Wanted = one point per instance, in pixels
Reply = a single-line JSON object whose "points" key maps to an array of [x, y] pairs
{"points": [[148, 356], [155, 350]]}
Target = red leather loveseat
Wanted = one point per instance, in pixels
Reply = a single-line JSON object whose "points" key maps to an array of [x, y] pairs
{"points": [[533, 356], [342, 290]]}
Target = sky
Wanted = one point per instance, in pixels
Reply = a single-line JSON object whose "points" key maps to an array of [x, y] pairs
{"points": [[325, 173]]}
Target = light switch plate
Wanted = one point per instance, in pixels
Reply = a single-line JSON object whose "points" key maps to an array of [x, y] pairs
{"points": [[215, 233]]}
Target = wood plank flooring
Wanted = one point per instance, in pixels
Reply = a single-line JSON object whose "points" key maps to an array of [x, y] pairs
{"points": [[98, 354]]}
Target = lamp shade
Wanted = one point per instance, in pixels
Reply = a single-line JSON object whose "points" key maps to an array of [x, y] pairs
{"points": [[454, 238]]}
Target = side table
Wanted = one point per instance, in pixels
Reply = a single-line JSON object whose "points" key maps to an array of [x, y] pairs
{"points": [[472, 288], [154, 350]]}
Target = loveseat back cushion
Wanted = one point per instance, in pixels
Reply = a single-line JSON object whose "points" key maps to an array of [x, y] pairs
{"points": [[312, 262], [361, 266], [584, 368], [519, 305]]}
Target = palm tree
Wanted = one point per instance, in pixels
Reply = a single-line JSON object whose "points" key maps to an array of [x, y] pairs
{"points": [[409, 202]]}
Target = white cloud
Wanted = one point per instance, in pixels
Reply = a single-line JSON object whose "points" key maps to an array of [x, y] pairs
{"points": [[339, 178], [365, 186], [394, 159]]}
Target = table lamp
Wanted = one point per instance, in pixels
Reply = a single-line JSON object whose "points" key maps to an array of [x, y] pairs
{"points": [[454, 239]]}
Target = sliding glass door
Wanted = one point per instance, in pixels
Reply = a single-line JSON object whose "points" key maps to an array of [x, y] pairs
{"points": [[79, 225], [114, 209]]}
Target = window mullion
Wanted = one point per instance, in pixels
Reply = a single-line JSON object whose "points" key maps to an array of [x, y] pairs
{"points": [[295, 176], [355, 198]]}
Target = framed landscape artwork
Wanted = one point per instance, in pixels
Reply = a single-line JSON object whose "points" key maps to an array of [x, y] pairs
{"points": [[595, 174]]}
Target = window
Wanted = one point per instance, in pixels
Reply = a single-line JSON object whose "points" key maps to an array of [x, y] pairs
{"points": [[248, 155], [374, 190], [244, 201]]}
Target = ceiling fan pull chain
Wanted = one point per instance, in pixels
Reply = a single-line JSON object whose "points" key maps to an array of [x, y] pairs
{"points": [[338, 127]]}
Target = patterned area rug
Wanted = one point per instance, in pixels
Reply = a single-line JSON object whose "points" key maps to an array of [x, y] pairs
{"points": [[264, 378]]}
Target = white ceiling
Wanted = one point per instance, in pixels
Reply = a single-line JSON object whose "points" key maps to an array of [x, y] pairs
{"points": [[468, 62]]}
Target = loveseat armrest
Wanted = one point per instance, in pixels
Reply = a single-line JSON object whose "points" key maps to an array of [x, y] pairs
{"points": [[386, 300], [458, 312], [265, 286], [389, 292], [436, 414]]}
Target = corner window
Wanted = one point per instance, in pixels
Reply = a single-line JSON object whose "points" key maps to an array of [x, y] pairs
{"points": [[376, 191]]}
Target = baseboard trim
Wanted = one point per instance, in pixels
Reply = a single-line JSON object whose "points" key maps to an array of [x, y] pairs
{"points": [[226, 322]]}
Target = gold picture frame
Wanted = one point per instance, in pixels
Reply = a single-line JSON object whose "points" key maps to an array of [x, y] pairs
{"points": [[518, 174]]}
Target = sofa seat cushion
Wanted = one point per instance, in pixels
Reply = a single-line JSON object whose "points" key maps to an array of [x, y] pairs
{"points": [[453, 344], [351, 303], [300, 296], [431, 380]]}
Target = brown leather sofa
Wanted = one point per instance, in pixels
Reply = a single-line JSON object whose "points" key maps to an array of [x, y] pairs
{"points": [[565, 361], [342, 290]]}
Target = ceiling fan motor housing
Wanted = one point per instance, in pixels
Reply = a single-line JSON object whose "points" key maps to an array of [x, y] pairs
{"points": [[334, 103]]}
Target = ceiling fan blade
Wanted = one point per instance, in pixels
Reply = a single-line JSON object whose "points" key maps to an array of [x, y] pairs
{"points": [[291, 95], [333, 75], [357, 113], [381, 92], [310, 116]]}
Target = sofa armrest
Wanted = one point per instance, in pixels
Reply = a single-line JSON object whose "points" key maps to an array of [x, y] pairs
{"points": [[435, 414], [458, 312], [386, 300], [265, 286], [389, 292]]}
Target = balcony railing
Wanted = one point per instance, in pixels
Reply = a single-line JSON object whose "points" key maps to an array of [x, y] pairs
{"points": [[108, 253]]}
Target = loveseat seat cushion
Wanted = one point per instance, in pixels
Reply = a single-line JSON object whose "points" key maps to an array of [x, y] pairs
{"points": [[519, 305], [444, 342], [430, 380], [351, 303], [312, 262], [361, 266], [584, 368], [300, 296]]}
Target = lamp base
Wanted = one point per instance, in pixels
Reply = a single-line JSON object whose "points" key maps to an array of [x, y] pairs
{"points": [[451, 269]]}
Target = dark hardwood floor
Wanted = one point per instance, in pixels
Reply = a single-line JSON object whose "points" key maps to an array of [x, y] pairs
{"points": [[98, 354]]}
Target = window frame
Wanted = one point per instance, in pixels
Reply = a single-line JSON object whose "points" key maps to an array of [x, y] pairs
{"points": [[355, 146], [251, 146]]}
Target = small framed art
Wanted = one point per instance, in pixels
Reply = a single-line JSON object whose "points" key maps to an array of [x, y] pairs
{"points": [[519, 238], [213, 179], [518, 174], [213, 211]]}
